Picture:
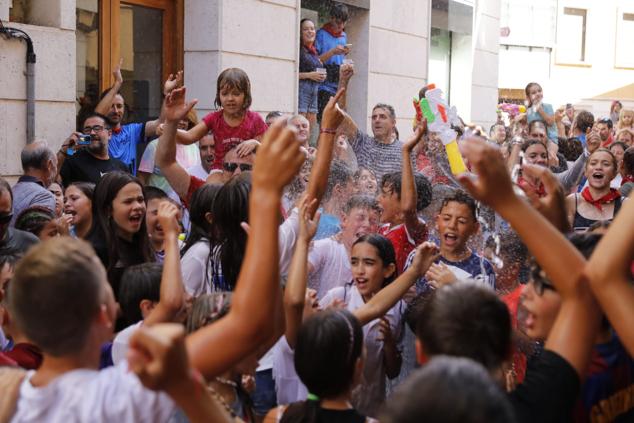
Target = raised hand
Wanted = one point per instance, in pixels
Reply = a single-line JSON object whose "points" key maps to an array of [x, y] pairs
{"points": [[333, 115], [346, 71], [553, 204], [439, 275], [116, 73], [173, 82], [492, 185], [385, 332], [176, 108], [278, 160], [308, 226], [416, 136], [426, 254], [168, 217], [245, 148], [593, 140]]}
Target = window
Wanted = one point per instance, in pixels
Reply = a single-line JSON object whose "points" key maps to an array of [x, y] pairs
{"points": [[571, 39], [624, 54]]}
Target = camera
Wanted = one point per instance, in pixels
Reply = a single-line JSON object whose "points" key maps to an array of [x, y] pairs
{"points": [[84, 140]]}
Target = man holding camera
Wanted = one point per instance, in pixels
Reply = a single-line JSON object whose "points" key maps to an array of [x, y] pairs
{"points": [[85, 156]]}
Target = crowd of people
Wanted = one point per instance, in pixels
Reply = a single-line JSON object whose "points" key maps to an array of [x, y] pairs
{"points": [[242, 272]]}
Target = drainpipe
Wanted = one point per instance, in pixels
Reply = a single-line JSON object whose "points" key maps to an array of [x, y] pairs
{"points": [[30, 77]]}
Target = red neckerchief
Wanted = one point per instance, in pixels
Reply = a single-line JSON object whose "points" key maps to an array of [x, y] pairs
{"points": [[330, 30], [311, 49], [606, 199], [116, 129], [626, 179], [539, 189]]}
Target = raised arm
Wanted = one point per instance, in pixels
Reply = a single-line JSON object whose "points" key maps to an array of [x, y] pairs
{"points": [[408, 186], [172, 294], [331, 119], [104, 105], [248, 324], [295, 292], [575, 328], [172, 82], [426, 254], [176, 108], [610, 274]]}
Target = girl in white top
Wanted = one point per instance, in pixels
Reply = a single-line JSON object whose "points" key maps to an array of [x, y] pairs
{"points": [[300, 304]]}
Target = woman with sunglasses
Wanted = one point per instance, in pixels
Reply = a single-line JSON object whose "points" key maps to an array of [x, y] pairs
{"points": [[611, 370]]}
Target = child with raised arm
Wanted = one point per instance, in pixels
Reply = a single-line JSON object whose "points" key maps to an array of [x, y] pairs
{"points": [[234, 124]]}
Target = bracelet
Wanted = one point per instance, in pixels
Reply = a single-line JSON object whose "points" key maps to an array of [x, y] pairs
{"points": [[327, 131]]}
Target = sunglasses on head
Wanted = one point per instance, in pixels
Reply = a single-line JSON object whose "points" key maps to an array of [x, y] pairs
{"points": [[231, 167], [6, 218], [539, 280]]}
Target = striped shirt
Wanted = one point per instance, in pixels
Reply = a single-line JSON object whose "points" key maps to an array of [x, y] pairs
{"points": [[378, 157]]}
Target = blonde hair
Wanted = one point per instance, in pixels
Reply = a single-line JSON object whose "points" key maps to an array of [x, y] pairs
{"points": [[623, 112]]}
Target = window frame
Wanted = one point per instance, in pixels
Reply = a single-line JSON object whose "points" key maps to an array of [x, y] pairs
{"points": [[561, 61]]}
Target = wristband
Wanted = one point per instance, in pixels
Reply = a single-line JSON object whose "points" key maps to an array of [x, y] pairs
{"points": [[327, 131]]}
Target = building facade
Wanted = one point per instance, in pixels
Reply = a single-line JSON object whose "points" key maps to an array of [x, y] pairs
{"points": [[578, 50], [397, 47]]}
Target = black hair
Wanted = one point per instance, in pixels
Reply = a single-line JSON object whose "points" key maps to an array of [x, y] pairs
{"points": [[230, 209], [385, 251], [340, 174], [105, 191], [139, 282], [328, 346], [153, 193], [87, 188], [202, 202], [234, 78], [106, 120], [607, 121], [465, 319], [531, 142], [33, 219], [393, 181], [460, 197], [585, 120], [628, 161], [4, 186], [618, 143], [449, 390], [361, 201], [339, 11], [571, 148]]}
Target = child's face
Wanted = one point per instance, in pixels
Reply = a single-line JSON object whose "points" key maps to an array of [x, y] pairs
{"points": [[6, 273], [128, 209], [368, 270], [77, 204], [456, 225], [154, 229], [390, 204], [627, 119], [541, 311], [50, 230], [366, 183], [231, 99], [535, 93], [358, 222], [536, 154]]}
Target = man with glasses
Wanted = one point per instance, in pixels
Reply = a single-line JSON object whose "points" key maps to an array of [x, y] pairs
{"points": [[12, 241], [89, 162]]}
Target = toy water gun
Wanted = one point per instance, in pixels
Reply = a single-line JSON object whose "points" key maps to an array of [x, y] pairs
{"points": [[512, 109], [440, 117]]}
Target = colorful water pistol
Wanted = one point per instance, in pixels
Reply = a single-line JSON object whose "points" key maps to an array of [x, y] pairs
{"points": [[512, 109], [440, 117]]}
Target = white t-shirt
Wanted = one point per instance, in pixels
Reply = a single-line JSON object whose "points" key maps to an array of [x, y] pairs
{"points": [[368, 397], [110, 395], [198, 171], [288, 386], [122, 341], [330, 266], [196, 269]]}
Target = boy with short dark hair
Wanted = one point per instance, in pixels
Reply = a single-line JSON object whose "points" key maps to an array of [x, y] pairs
{"points": [[456, 223]]}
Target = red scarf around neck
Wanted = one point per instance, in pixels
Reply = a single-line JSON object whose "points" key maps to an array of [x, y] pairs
{"points": [[540, 190], [311, 49], [330, 30], [116, 130], [598, 203], [626, 179]]}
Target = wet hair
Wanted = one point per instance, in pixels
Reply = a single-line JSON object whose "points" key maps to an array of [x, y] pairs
{"points": [[230, 209], [533, 123], [36, 156], [33, 219], [328, 346], [512, 247], [153, 193], [450, 390], [139, 282], [385, 251], [531, 142], [55, 294], [610, 153], [361, 201], [339, 11], [460, 197], [340, 174], [234, 78], [107, 123], [571, 148], [585, 120], [105, 192], [387, 107], [5, 187], [202, 202], [628, 161], [275, 113], [87, 188], [207, 309], [528, 89], [618, 144], [393, 181], [465, 319]]}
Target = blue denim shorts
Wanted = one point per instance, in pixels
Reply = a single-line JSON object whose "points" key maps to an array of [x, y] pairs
{"points": [[307, 96]]}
